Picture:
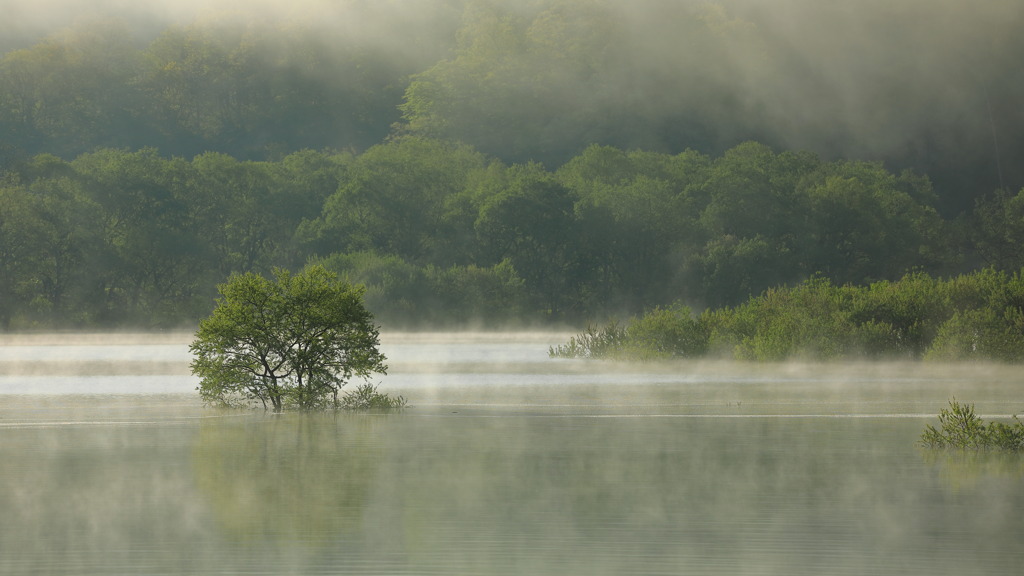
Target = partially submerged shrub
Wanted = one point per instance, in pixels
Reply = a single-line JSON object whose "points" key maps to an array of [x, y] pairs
{"points": [[591, 343], [366, 397], [960, 427]]}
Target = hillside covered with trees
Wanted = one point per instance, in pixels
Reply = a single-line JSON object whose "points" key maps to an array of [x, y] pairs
{"points": [[500, 161]]}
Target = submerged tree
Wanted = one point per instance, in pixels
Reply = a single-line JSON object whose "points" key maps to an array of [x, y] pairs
{"points": [[294, 341]]}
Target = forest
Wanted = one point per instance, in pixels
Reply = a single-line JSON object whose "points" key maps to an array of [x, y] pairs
{"points": [[496, 163]]}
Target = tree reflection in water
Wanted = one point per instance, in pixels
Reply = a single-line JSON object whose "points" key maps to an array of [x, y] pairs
{"points": [[291, 477]]}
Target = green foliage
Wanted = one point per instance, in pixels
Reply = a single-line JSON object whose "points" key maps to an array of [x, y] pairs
{"points": [[611, 231], [917, 316], [593, 342], [636, 217], [515, 164], [246, 85], [293, 342], [660, 334], [978, 316], [530, 222], [997, 228], [666, 333], [864, 226], [512, 84], [440, 233], [470, 295], [960, 427], [402, 294], [733, 269], [48, 240], [536, 81], [988, 322], [366, 397], [395, 199], [394, 287]]}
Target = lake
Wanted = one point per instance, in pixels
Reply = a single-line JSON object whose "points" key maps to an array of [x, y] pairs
{"points": [[507, 462]]}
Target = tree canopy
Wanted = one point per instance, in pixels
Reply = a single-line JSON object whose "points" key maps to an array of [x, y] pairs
{"points": [[294, 341], [541, 161], [442, 235]]}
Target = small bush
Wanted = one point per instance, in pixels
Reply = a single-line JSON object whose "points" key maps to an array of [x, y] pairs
{"points": [[592, 343], [366, 397], [960, 427]]}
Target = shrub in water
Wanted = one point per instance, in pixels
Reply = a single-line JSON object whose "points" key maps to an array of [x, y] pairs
{"points": [[591, 343], [960, 427], [366, 397]]}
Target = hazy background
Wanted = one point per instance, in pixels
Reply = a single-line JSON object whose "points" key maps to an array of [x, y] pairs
{"points": [[933, 85]]}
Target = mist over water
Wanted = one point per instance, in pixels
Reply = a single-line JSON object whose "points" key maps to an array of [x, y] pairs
{"points": [[509, 462]]}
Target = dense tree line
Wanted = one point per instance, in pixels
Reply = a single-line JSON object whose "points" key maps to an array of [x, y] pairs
{"points": [[492, 160], [442, 233]]}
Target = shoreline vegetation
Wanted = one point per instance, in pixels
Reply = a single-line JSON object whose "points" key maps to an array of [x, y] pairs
{"points": [[971, 317]]}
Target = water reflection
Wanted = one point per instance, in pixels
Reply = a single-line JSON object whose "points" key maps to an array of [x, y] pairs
{"points": [[575, 495], [94, 499], [965, 469], [511, 494], [641, 496], [289, 478]]}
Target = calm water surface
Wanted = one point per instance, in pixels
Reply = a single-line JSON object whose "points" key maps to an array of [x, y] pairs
{"points": [[507, 463]]}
